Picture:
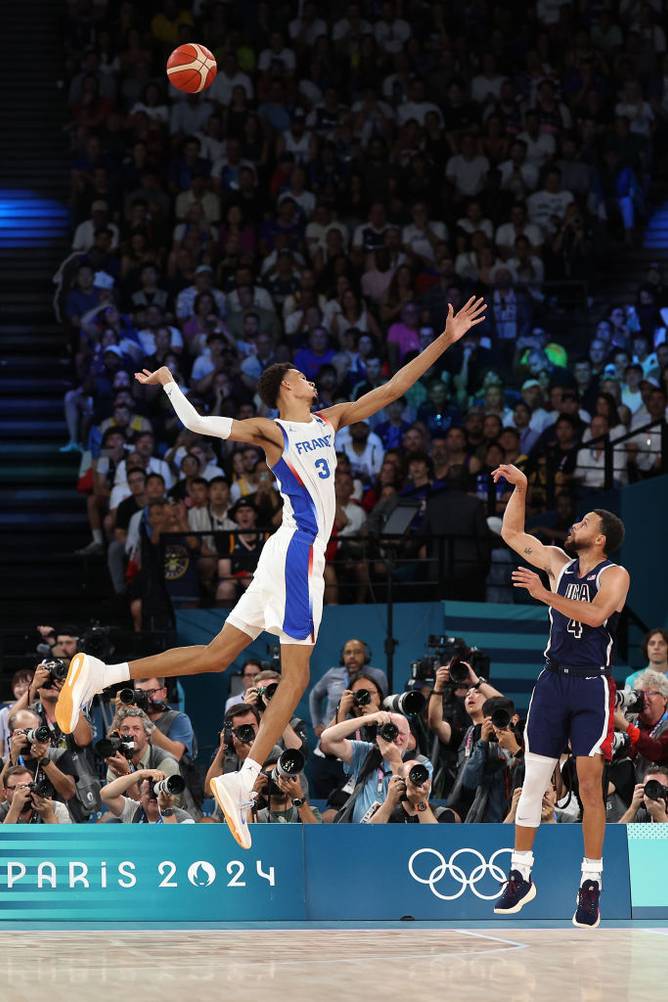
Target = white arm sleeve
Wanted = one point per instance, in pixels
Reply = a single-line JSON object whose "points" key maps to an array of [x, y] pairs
{"points": [[218, 427]]}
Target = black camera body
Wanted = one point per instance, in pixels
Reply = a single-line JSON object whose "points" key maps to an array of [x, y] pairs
{"points": [[450, 651], [41, 788], [244, 733], [274, 664], [266, 693], [388, 732], [134, 697], [291, 763], [111, 745], [96, 641], [361, 698]]}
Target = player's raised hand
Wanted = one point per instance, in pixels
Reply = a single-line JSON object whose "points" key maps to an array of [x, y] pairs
{"points": [[510, 473], [160, 377], [459, 323]]}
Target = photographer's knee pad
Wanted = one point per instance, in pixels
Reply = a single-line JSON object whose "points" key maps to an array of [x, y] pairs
{"points": [[538, 771]]}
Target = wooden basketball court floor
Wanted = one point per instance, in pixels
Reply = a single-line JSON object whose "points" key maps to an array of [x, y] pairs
{"points": [[321, 965]]}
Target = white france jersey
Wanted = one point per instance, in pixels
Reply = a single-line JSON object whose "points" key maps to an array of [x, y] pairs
{"points": [[305, 474]]}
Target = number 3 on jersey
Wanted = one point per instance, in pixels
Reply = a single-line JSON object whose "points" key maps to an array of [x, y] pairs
{"points": [[322, 466], [575, 628]]}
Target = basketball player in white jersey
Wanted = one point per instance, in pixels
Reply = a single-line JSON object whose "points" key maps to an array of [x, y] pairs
{"points": [[286, 594]]}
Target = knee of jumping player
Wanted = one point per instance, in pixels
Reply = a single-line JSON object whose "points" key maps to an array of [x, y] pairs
{"points": [[591, 790]]}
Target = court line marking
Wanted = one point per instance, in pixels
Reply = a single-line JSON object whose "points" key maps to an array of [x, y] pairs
{"points": [[494, 939]]}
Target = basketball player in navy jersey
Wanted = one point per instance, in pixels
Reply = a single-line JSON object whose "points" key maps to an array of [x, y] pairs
{"points": [[285, 596], [573, 699]]}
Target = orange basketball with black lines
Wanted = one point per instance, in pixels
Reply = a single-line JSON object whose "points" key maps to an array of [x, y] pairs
{"points": [[191, 68]]}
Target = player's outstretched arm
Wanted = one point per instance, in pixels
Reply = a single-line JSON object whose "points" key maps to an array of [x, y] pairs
{"points": [[456, 326], [548, 558], [255, 431]]}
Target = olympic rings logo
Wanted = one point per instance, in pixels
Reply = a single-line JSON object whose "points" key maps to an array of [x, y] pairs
{"points": [[458, 874]]}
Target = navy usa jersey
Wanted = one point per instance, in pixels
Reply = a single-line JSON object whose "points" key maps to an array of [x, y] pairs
{"points": [[575, 644]]}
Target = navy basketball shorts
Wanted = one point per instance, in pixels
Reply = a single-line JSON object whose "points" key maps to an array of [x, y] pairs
{"points": [[571, 710]]}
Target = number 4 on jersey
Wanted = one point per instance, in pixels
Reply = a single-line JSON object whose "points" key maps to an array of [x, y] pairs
{"points": [[575, 628]]}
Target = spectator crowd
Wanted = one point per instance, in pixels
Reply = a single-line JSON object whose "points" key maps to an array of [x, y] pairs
{"points": [[351, 171], [449, 749]]}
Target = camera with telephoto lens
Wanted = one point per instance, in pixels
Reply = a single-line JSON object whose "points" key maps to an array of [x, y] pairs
{"points": [[407, 703], [134, 697], [38, 735], [291, 763], [361, 698], [171, 785], [501, 718], [107, 747], [57, 669], [655, 790], [631, 701], [418, 774]]}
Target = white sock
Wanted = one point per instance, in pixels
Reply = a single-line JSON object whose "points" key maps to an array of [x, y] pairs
{"points": [[522, 861], [97, 536], [113, 674], [250, 770], [592, 869]]}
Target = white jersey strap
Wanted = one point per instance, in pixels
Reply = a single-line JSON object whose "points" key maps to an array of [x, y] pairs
{"points": [[218, 427]]}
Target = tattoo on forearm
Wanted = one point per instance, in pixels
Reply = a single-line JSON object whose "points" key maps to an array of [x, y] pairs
{"points": [[528, 549]]}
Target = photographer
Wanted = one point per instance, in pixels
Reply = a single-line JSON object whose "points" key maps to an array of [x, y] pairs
{"points": [[37, 756], [362, 698], [19, 685], [283, 798], [370, 765], [492, 766], [407, 800], [261, 693], [448, 717], [152, 807], [327, 691], [131, 724], [240, 727], [648, 735], [650, 799], [250, 669], [26, 806], [173, 729]]}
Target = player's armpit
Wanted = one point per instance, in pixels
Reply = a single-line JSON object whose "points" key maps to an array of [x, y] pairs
{"points": [[257, 431], [546, 558]]}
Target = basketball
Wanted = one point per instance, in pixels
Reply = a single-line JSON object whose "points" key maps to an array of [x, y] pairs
{"points": [[191, 68]]}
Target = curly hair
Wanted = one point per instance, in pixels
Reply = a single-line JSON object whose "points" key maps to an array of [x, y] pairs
{"points": [[269, 383], [131, 711]]}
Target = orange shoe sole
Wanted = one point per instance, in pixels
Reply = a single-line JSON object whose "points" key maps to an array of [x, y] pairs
{"points": [[242, 838], [65, 701]]}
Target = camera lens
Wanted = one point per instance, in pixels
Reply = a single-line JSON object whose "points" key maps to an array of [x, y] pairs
{"points": [[419, 774], [244, 733], [408, 703], [501, 718], [388, 732], [127, 696], [459, 672], [291, 763], [38, 735], [362, 697], [172, 785], [655, 790]]}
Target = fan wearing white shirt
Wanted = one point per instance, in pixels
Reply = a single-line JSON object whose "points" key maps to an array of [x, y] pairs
{"points": [[547, 207], [590, 464], [391, 32], [277, 54], [541, 146], [421, 236], [416, 107], [467, 170], [228, 77], [363, 448], [306, 29], [486, 86]]}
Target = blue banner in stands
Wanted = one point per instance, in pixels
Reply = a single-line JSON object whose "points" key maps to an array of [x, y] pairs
{"points": [[196, 875]]}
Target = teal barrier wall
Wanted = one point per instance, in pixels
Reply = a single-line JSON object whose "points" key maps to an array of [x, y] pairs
{"points": [[195, 875], [648, 853]]}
